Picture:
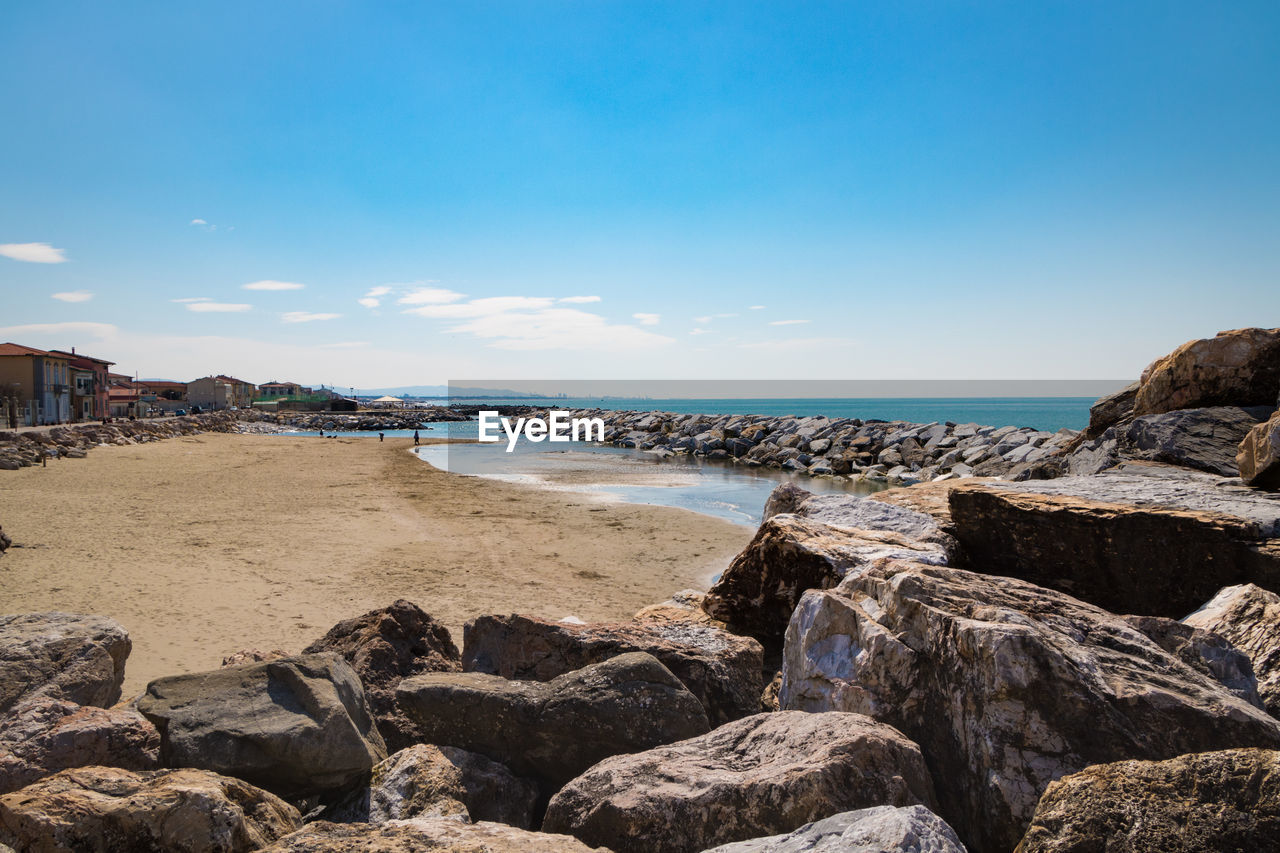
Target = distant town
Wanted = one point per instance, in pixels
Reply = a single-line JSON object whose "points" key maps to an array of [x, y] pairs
{"points": [[39, 387]]}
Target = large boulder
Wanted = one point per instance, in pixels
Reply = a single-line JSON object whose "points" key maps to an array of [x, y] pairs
{"points": [[722, 669], [418, 835], [437, 781], [1006, 686], [790, 554], [1111, 409], [1258, 457], [762, 775], [42, 736], [1235, 368], [1147, 539], [384, 647], [67, 656], [1211, 802], [880, 829], [1205, 439], [552, 731], [867, 513], [105, 809], [1249, 618], [297, 726]]}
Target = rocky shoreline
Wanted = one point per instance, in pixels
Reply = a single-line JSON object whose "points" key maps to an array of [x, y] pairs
{"points": [[1084, 662]]}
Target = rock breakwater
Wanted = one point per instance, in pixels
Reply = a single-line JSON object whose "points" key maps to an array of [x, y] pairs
{"points": [[74, 441]]}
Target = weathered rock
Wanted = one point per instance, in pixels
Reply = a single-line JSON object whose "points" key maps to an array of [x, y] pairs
{"points": [[758, 592], [723, 670], [1141, 539], [1206, 439], [439, 781], [245, 656], [1236, 368], [1249, 618], [1006, 686], [684, 606], [552, 731], [1258, 457], [61, 656], [385, 646], [785, 498], [296, 726], [105, 809], [1111, 409], [42, 736], [418, 835], [766, 774], [863, 513], [5, 541], [1205, 651], [1211, 802], [880, 829]]}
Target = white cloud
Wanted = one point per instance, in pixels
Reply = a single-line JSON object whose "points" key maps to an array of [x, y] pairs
{"points": [[33, 253], [198, 222], [702, 321], [647, 319], [207, 307], [579, 300], [190, 299], [268, 284], [482, 307], [369, 302], [73, 296], [699, 332], [788, 322], [380, 290], [429, 296], [756, 307], [373, 298], [557, 328], [101, 331], [306, 317]]}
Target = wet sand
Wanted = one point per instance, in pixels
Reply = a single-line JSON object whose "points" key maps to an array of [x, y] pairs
{"points": [[204, 545]]}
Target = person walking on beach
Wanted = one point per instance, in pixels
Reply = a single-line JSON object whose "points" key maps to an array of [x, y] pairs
{"points": [[415, 438], [380, 436]]}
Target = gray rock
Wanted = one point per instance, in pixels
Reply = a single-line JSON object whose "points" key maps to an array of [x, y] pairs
{"points": [[880, 829], [762, 775], [61, 656], [1206, 439], [297, 726], [1203, 650], [1110, 409], [1248, 617], [552, 731]]}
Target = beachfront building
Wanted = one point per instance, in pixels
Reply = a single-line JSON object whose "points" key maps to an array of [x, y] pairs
{"points": [[164, 395], [209, 393], [90, 384], [35, 386], [275, 390], [240, 394]]}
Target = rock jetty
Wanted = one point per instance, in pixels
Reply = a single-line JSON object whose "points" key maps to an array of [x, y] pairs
{"points": [[36, 447]]}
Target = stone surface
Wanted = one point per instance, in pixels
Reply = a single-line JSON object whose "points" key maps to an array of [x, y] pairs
{"points": [[385, 646], [1249, 618], [1142, 539], [722, 669], [759, 590], [42, 736], [1258, 457], [1205, 439], [1235, 368], [684, 606], [1006, 686], [1205, 651], [762, 775], [419, 835], [106, 809], [67, 656], [1211, 802], [552, 731], [245, 656], [296, 726], [438, 781], [880, 829], [1110, 409]]}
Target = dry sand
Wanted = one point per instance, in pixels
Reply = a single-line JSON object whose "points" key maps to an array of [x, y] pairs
{"points": [[204, 545]]}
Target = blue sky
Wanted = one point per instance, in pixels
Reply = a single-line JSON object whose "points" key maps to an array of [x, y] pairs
{"points": [[595, 189]]}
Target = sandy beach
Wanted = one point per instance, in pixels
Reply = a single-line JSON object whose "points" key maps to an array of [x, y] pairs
{"points": [[204, 545]]}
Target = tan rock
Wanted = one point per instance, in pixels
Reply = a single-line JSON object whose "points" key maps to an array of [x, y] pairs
{"points": [[683, 606], [1259, 456], [79, 658], [1235, 368], [1249, 617], [419, 835]]}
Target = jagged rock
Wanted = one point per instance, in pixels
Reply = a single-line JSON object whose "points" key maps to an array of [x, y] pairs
{"points": [[1206, 439], [107, 809], [1205, 651], [552, 731], [385, 646], [438, 781], [1111, 409], [1249, 618], [758, 592], [684, 606], [1006, 686], [761, 775], [1258, 457], [418, 835], [42, 736], [723, 670], [880, 829], [1211, 802], [1235, 368], [245, 656], [296, 726], [67, 656], [1141, 539], [785, 498], [863, 513]]}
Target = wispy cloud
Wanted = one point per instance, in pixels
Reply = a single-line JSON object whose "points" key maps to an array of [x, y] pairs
{"points": [[33, 253], [209, 307], [101, 331], [373, 298], [807, 344], [345, 345], [487, 306], [699, 332], [579, 300], [73, 296], [755, 308], [188, 299], [306, 317], [429, 296], [268, 284], [558, 328], [788, 322], [198, 222], [647, 319]]}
